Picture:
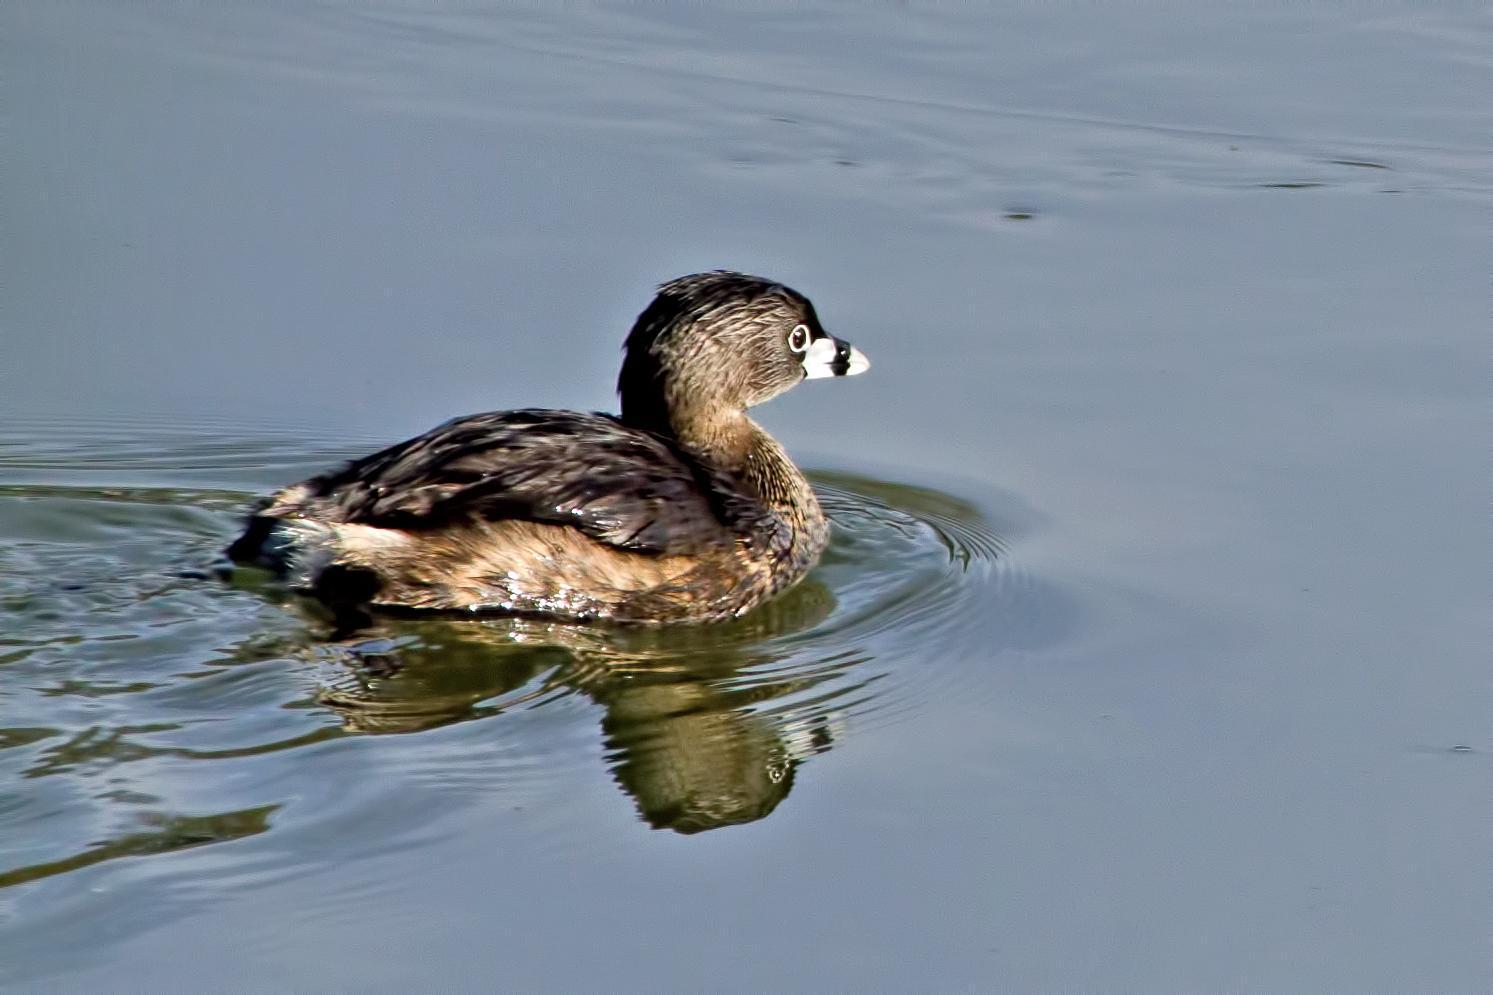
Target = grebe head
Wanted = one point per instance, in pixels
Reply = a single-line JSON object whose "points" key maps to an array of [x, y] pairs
{"points": [[721, 342]]}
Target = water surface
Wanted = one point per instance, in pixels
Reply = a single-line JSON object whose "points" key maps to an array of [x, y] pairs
{"points": [[1151, 649]]}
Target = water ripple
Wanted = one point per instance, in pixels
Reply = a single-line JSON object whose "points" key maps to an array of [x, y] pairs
{"points": [[143, 695]]}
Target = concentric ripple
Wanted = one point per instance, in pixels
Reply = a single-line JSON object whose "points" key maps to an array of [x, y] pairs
{"points": [[146, 705]]}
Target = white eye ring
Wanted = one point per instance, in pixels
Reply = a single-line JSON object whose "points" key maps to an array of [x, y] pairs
{"points": [[798, 339]]}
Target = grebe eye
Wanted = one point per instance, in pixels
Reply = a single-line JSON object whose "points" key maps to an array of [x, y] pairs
{"points": [[798, 339]]}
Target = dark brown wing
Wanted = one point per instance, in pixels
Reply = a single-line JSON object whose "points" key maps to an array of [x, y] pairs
{"points": [[618, 485]]}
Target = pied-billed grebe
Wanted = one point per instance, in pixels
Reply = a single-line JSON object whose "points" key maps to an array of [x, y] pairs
{"points": [[683, 509]]}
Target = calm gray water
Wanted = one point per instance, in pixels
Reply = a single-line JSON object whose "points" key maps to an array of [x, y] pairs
{"points": [[1151, 651]]}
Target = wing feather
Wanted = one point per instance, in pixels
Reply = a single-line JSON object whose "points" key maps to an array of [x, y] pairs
{"points": [[619, 485]]}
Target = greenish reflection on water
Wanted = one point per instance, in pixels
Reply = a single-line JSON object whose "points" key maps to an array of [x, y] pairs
{"points": [[171, 832]]}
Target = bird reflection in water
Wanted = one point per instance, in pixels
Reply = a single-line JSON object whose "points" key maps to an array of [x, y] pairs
{"points": [[694, 724]]}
